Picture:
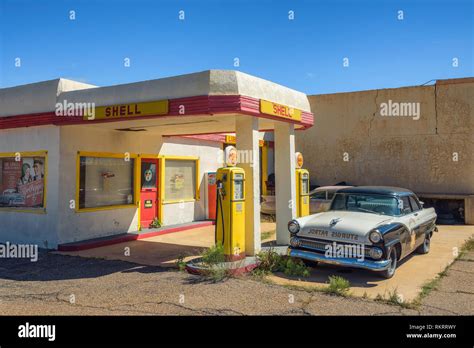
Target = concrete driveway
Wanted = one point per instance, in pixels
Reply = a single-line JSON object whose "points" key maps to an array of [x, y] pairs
{"points": [[411, 275], [163, 250]]}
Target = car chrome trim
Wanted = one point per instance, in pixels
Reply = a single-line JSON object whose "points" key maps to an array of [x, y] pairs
{"points": [[365, 264], [319, 245]]}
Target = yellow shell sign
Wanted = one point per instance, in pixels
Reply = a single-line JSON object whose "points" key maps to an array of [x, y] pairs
{"points": [[128, 110], [279, 110], [232, 139]]}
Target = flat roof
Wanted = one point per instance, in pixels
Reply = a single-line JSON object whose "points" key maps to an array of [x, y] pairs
{"points": [[42, 97], [36, 97]]}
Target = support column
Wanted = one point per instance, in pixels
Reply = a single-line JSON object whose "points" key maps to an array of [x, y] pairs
{"points": [[285, 186], [248, 155]]}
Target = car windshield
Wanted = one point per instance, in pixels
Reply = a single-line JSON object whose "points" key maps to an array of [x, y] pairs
{"points": [[369, 203]]}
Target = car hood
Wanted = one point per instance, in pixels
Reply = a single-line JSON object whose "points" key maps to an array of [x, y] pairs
{"points": [[347, 226]]}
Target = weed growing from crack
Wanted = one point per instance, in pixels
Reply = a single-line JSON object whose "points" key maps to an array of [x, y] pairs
{"points": [[270, 262], [180, 263], [212, 259], [338, 286]]}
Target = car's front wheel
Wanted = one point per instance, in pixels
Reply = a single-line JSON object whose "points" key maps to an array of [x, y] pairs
{"points": [[425, 247], [390, 271]]}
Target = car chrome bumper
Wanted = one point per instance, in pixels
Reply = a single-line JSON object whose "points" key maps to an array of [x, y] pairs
{"points": [[376, 266]]}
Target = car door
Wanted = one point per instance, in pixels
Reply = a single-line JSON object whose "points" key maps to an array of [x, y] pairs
{"points": [[317, 202], [408, 218], [420, 228]]}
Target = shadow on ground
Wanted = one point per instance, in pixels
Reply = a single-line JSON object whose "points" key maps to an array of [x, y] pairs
{"points": [[357, 277], [52, 266]]}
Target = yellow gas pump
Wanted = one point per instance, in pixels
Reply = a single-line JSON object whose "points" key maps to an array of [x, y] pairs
{"points": [[302, 187], [230, 215]]}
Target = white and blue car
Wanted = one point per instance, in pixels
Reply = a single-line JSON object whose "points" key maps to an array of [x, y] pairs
{"points": [[12, 198], [385, 224]]}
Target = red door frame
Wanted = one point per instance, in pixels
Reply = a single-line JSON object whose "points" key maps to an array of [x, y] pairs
{"points": [[156, 190]]}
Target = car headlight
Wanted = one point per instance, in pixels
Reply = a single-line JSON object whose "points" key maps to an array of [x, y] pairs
{"points": [[375, 253], [375, 236], [293, 226], [295, 242]]}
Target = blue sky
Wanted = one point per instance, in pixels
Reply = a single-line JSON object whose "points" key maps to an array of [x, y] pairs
{"points": [[305, 53]]}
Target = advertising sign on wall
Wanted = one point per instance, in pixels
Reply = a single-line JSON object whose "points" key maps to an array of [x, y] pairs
{"points": [[177, 182], [11, 173], [32, 193], [22, 182], [180, 180]]}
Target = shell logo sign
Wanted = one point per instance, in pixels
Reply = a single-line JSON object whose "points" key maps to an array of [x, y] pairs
{"points": [[280, 110], [299, 160], [128, 110], [230, 156]]}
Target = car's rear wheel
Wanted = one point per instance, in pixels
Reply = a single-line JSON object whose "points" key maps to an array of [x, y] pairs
{"points": [[425, 247], [390, 271]]}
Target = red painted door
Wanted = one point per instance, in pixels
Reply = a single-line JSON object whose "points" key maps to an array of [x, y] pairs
{"points": [[148, 192], [211, 195]]}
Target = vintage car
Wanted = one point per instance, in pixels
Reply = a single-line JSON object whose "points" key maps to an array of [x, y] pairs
{"points": [[12, 198], [385, 224]]}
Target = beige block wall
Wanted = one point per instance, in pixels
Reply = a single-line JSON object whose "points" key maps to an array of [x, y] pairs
{"points": [[398, 151]]}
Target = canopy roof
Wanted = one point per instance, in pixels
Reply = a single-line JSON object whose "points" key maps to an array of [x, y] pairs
{"points": [[217, 93]]}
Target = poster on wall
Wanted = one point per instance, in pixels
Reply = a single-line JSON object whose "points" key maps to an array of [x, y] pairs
{"points": [[148, 175], [32, 193], [180, 180], [177, 182], [22, 182], [11, 173]]}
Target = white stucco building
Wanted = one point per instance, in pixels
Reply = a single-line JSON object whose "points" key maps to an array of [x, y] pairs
{"points": [[80, 162]]}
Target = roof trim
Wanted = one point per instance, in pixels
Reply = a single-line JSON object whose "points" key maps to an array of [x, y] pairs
{"points": [[194, 106]]}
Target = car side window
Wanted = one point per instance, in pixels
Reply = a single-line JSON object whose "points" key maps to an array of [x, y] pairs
{"points": [[319, 195], [404, 205], [351, 203], [331, 194], [339, 202], [415, 205]]}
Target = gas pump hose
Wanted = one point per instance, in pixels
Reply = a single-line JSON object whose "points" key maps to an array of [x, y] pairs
{"points": [[219, 200]]}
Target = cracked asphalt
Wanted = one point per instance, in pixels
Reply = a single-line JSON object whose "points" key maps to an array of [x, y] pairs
{"points": [[71, 285]]}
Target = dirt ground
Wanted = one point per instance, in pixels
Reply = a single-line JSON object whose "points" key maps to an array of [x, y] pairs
{"points": [[411, 274], [72, 285]]}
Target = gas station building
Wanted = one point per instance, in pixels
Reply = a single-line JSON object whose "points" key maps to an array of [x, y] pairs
{"points": [[80, 162]]}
